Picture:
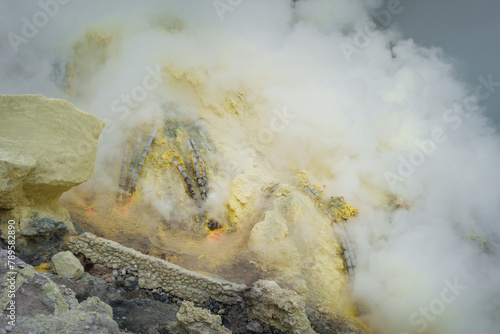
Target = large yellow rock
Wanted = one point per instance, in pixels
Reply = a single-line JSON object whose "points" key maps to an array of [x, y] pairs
{"points": [[246, 196], [47, 146], [296, 240]]}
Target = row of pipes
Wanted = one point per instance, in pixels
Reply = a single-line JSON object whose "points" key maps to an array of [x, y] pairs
{"points": [[340, 231], [129, 179]]}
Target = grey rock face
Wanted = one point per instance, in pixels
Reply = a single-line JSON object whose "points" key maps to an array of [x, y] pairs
{"points": [[90, 316], [42, 306], [130, 283], [134, 311], [34, 293], [38, 238]]}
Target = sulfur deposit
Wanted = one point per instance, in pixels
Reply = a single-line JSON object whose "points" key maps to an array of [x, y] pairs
{"points": [[47, 146]]}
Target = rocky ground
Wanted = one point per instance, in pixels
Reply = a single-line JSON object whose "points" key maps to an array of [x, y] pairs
{"points": [[138, 310], [71, 303], [103, 300]]}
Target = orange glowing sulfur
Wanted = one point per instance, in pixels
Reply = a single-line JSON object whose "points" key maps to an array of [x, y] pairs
{"points": [[121, 209], [215, 236], [91, 212]]}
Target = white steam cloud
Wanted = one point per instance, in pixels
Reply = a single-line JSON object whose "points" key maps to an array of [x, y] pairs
{"points": [[375, 115]]}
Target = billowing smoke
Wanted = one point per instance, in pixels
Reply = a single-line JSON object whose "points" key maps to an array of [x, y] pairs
{"points": [[365, 112]]}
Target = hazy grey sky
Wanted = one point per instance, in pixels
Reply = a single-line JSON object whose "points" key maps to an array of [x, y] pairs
{"points": [[468, 31]]}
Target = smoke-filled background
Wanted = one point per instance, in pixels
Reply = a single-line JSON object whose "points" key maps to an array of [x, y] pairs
{"points": [[372, 114]]}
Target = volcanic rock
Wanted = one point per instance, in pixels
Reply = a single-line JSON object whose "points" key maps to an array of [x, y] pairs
{"points": [[134, 311], [90, 316], [281, 308], [294, 239], [47, 146], [42, 306], [195, 320], [67, 265]]}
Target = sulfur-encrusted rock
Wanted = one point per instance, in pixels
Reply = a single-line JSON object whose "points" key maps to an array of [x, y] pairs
{"points": [[299, 242], [270, 240], [47, 146], [67, 265], [281, 308], [195, 320]]}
